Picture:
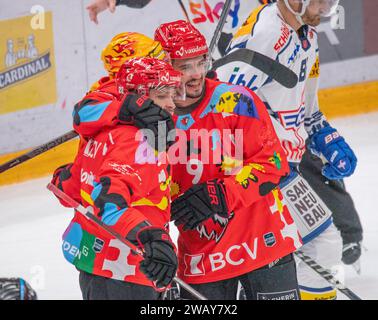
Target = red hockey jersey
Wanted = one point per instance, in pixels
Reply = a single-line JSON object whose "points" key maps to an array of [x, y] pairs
{"points": [[125, 182], [229, 135]]}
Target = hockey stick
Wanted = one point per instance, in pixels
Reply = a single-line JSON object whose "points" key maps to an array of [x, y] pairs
{"points": [[184, 10], [220, 25], [37, 151], [272, 68], [84, 211], [325, 274]]}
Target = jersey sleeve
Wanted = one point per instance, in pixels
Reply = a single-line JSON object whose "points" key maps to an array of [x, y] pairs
{"points": [[314, 118], [264, 161]]}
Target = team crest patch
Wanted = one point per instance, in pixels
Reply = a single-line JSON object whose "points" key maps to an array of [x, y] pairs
{"points": [[98, 245], [184, 122], [269, 239]]}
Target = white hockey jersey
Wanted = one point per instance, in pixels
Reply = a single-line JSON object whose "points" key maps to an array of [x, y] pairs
{"points": [[294, 112], [205, 14]]}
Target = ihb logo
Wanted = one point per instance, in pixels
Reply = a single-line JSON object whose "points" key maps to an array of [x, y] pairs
{"points": [[239, 79]]}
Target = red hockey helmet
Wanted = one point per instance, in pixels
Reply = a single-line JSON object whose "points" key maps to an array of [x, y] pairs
{"points": [[143, 74], [181, 40]]}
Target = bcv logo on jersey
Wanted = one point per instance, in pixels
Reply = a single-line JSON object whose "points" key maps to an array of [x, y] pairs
{"points": [[240, 80], [92, 148]]}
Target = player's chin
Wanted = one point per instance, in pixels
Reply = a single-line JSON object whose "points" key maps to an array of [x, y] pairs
{"points": [[193, 94], [314, 22], [170, 109], [194, 90]]}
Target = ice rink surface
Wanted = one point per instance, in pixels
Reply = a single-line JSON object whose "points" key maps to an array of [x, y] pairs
{"points": [[32, 222]]}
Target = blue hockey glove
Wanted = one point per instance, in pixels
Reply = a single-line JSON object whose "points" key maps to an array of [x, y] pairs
{"points": [[341, 160]]}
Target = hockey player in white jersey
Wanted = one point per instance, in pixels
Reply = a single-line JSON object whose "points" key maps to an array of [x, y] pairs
{"points": [[285, 31]]}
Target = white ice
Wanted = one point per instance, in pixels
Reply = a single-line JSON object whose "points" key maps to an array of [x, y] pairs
{"points": [[32, 222]]}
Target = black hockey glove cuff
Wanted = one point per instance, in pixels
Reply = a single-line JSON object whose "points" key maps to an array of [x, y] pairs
{"points": [[61, 174], [199, 203]]}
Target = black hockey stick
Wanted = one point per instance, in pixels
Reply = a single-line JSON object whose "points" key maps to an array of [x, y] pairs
{"points": [[325, 274], [184, 10], [272, 68], [37, 151], [86, 212], [220, 25]]}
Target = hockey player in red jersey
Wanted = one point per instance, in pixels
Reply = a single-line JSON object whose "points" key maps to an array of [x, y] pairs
{"points": [[233, 225], [286, 32], [127, 184], [227, 163]]}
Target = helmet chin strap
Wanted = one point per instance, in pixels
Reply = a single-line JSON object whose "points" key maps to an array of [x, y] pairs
{"points": [[298, 15]]}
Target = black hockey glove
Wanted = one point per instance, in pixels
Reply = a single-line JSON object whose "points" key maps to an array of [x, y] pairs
{"points": [[351, 252], [16, 289], [199, 203], [61, 174], [145, 114], [160, 260]]}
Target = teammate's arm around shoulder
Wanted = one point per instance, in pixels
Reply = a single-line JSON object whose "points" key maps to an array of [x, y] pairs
{"points": [[94, 112], [99, 110], [264, 161]]}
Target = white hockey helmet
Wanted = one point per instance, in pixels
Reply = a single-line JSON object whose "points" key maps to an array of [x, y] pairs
{"points": [[328, 7]]}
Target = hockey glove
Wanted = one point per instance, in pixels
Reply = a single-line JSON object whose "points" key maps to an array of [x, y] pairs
{"points": [[61, 174], [145, 114], [16, 289], [199, 203], [341, 160], [351, 252], [160, 260]]}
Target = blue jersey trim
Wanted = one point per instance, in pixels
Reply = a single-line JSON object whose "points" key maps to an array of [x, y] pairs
{"points": [[317, 231], [92, 112], [22, 289], [318, 290]]}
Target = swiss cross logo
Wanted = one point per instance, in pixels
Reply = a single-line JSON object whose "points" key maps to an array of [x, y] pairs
{"points": [[331, 137], [194, 265], [342, 165]]}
